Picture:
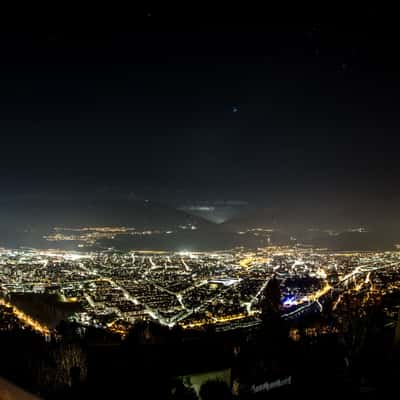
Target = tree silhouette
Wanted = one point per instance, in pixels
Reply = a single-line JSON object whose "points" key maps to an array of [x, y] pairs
{"points": [[271, 300]]}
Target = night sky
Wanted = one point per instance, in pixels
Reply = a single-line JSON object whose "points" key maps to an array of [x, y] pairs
{"points": [[260, 113]]}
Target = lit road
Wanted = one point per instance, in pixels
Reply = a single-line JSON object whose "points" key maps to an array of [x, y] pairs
{"points": [[264, 285], [26, 319]]}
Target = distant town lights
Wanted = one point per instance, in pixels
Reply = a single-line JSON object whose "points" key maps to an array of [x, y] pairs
{"points": [[185, 253]]}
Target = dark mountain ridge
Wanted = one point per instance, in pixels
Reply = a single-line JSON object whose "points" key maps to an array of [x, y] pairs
{"points": [[46, 214]]}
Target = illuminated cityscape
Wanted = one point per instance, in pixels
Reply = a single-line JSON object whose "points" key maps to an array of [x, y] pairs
{"points": [[201, 204], [117, 291], [194, 290]]}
